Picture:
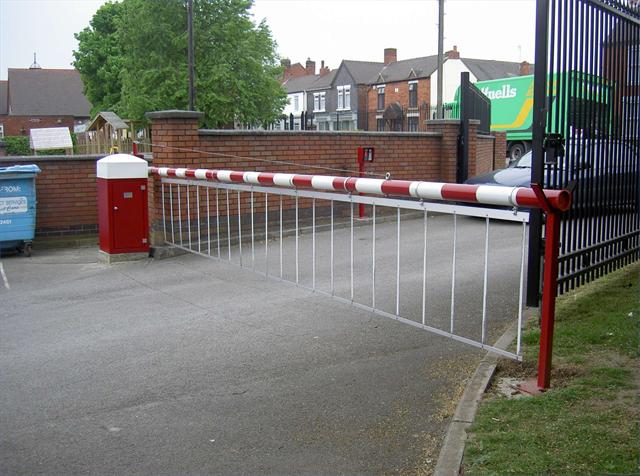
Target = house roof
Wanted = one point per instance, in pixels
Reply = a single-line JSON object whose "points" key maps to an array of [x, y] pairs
{"points": [[362, 71], [491, 69], [3, 97], [47, 92], [422, 67], [299, 84], [107, 117], [324, 82]]}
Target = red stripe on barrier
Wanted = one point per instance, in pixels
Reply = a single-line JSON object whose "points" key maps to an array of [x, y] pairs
{"points": [[171, 172], [190, 173], [350, 184], [339, 183], [465, 193], [266, 177], [236, 176], [559, 199], [211, 174], [396, 187], [302, 180]]}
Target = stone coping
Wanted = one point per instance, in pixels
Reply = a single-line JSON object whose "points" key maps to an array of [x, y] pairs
{"points": [[372, 134]]}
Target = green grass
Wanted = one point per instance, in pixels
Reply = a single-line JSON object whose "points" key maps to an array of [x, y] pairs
{"points": [[588, 422]]}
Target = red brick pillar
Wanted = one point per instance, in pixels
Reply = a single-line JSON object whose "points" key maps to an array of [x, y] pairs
{"points": [[174, 135], [500, 150], [448, 155]]}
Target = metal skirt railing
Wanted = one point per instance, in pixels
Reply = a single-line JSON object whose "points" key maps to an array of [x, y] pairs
{"points": [[388, 264]]}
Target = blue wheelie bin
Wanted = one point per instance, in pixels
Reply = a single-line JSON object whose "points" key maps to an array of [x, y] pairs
{"points": [[17, 207]]}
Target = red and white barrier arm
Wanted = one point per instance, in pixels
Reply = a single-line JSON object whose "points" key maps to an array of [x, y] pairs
{"points": [[560, 200]]}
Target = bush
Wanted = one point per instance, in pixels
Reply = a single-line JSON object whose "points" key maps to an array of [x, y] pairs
{"points": [[17, 145]]}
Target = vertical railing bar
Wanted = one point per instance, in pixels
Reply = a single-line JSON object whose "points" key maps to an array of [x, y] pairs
{"points": [[484, 286], [266, 235], [253, 248], [199, 223], [373, 257], [218, 222], [180, 215], [188, 217], [351, 253], [332, 285], [228, 224], [281, 266], [424, 272], [208, 189], [297, 245], [173, 231], [313, 245], [453, 272], [239, 228], [398, 266], [164, 218], [521, 290]]}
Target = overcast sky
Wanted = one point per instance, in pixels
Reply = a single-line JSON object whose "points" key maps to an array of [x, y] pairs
{"points": [[329, 30]]}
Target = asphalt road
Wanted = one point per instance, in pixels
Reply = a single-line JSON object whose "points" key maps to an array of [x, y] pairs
{"points": [[195, 366]]}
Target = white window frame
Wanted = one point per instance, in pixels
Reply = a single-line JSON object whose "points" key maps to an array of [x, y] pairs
{"points": [[323, 101], [380, 90], [344, 98], [316, 101], [415, 85], [1, 130], [296, 103]]}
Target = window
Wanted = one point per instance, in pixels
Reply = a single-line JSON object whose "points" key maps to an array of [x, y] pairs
{"points": [[413, 94], [380, 98], [344, 97], [319, 101], [380, 125], [412, 124], [633, 65], [1, 131], [296, 102], [631, 114]]}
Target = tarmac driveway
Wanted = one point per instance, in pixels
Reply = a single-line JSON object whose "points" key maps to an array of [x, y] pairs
{"points": [[193, 366]]}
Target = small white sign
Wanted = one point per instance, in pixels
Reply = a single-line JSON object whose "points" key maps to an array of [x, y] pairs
{"points": [[50, 138], [13, 205]]}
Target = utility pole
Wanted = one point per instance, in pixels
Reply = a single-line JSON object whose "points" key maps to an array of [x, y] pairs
{"points": [[192, 91], [439, 114]]}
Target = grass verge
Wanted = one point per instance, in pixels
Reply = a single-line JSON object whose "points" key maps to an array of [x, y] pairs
{"points": [[588, 422]]}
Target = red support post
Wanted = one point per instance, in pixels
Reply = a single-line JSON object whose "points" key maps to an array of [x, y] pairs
{"points": [[549, 293], [361, 175]]}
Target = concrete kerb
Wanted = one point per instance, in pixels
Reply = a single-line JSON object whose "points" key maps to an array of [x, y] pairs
{"points": [[450, 458]]}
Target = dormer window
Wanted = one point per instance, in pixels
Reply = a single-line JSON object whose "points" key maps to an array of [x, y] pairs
{"points": [[344, 97]]}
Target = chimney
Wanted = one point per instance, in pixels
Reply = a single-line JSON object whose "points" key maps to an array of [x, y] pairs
{"points": [[323, 69], [390, 55], [286, 62], [453, 54], [310, 66], [525, 68]]}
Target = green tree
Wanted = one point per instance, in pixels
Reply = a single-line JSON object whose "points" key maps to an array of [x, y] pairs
{"points": [[99, 59], [236, 64]]}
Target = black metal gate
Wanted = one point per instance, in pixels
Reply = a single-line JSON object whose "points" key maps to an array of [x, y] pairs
{"points": [[473, 105], [586, 134]]}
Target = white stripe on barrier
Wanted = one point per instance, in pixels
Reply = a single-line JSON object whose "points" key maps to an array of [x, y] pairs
{"points": [[494, 195], [181, 173], [283, 180], [224, 175], [201, 174], [366, 185], [429, 190], [251, 177], [322, 183]]}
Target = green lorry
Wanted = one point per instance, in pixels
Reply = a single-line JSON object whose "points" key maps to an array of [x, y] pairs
{"points": [[512, 107]]}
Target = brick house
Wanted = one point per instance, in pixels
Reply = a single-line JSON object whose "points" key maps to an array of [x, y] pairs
{"points": [[296, 88], [403, 93], [37, 98]]}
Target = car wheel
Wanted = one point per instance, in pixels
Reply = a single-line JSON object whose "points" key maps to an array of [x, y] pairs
{"points": [[516, 150]]}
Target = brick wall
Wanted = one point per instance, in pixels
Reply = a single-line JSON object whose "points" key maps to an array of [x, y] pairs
{"points": [[65, 192], [21, 125], [178, 142]]}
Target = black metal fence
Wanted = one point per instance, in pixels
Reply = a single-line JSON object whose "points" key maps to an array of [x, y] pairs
{"points": [[586, 134], [473, 105]]}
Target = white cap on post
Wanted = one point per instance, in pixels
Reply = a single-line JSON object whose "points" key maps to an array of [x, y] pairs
{"points": [[122, 166]]}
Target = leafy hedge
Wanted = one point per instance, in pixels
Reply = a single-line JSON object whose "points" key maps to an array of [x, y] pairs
{"points": [[19, 145]]}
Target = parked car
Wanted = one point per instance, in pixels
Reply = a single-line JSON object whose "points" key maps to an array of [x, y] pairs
{"points": [[605, 174]]}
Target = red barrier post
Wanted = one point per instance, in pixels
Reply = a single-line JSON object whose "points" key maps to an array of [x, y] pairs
{"points": [[361, 175]]}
